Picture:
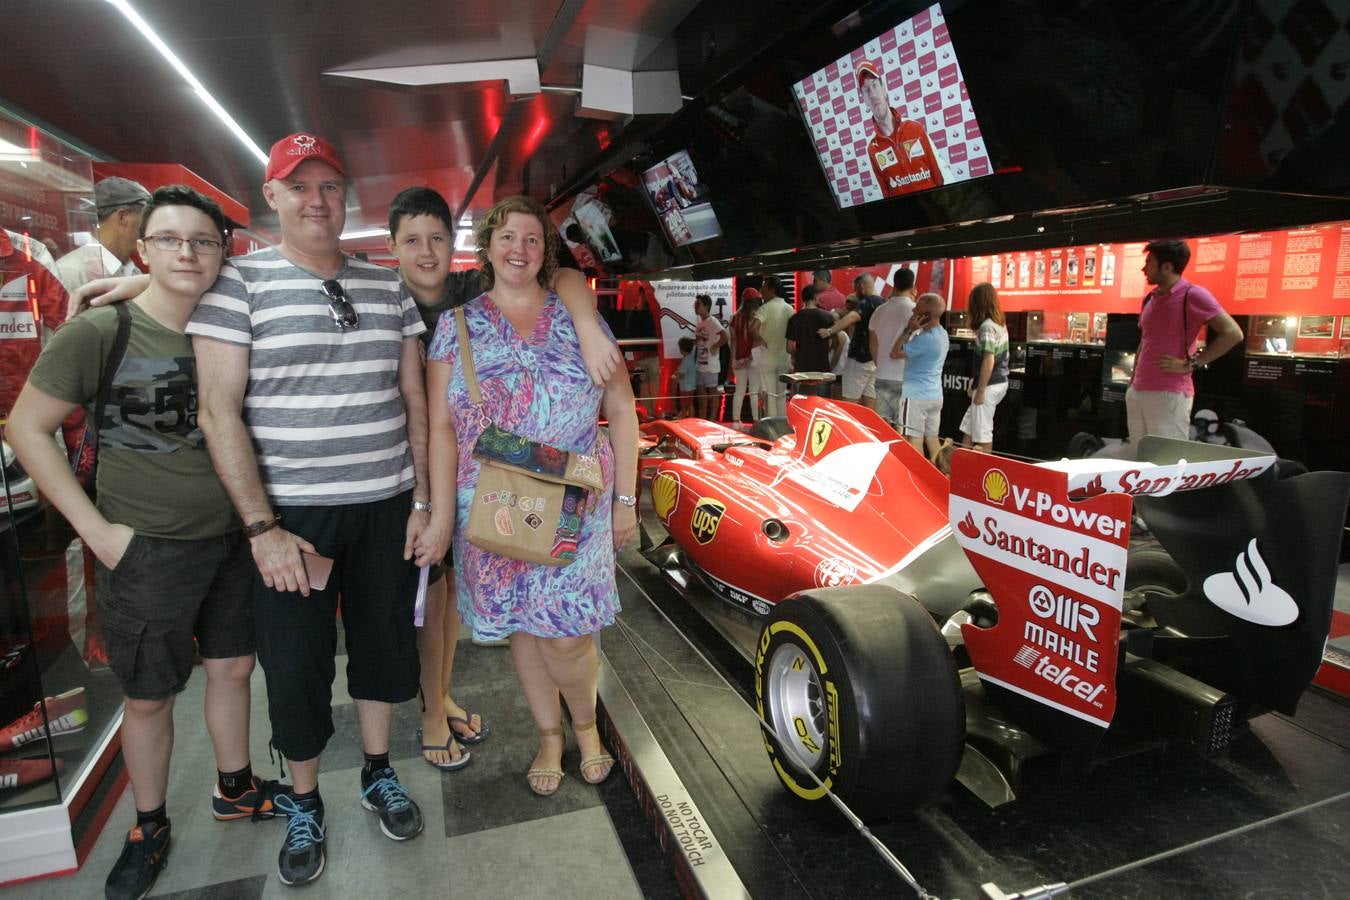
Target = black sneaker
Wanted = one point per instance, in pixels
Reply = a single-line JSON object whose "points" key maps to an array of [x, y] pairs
{"points": [[302, 858], [381, 793], [143, 855], [258, 802]]}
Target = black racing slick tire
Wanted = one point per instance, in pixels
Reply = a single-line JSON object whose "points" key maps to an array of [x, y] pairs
{"points": [[861, 691], [1152, 569], [771, 428]]}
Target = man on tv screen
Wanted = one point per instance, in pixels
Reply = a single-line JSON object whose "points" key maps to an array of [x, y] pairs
{"points": [[902, 157]]}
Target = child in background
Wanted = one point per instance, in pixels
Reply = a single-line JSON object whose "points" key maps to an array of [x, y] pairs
{"points": [[687, 377]]}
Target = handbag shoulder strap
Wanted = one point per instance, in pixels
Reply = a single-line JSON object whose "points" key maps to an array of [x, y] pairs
{"points": [[466, 353]]}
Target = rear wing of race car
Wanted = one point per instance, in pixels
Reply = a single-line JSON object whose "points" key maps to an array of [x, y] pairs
{"points": [[1051, 543]]}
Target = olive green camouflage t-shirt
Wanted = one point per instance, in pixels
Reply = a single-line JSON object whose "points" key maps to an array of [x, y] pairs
{"points": [[154, 473]]}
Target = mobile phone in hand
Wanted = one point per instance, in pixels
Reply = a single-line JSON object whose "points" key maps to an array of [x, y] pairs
{"points": [[317, 570]]}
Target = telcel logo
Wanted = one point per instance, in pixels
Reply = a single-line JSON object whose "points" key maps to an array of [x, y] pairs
{"points": [[1063, 677]]}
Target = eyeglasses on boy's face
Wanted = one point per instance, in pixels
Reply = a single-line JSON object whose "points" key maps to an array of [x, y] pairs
{"points": [[171, 243], [343, 313]]}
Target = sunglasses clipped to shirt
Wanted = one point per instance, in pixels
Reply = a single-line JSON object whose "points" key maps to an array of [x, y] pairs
{"points": [[339, 307]]}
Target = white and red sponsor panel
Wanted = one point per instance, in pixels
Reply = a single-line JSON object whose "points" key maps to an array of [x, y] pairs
{"points": [[1056, 570], [1090, 477]]}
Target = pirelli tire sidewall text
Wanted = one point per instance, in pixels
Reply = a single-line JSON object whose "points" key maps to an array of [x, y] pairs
{"points": [[895, 730]]}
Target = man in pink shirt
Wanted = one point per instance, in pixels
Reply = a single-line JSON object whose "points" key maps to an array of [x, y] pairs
{"points": [[1173, 317]]}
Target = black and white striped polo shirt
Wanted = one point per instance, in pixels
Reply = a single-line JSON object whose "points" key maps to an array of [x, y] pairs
{"points": [[322, 405]]}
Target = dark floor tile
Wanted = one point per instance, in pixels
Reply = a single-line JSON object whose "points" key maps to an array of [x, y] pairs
{"points": [[242, 889], [491, 791], [344, 748]]}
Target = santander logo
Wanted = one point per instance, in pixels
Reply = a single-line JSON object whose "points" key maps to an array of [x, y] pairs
{"points": [[1248, 592]]}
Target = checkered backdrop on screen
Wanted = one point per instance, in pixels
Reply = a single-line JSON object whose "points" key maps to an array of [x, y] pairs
{"points": [[924, 83]]}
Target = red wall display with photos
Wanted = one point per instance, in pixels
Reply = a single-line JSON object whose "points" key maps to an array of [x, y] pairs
{"points": [[1299, 272]]}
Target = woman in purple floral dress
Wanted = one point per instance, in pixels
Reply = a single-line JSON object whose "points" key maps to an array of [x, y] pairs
{"points": [[533, 383]]}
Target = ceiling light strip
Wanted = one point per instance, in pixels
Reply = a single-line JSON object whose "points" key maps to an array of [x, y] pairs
{"points": [[134, 18]]}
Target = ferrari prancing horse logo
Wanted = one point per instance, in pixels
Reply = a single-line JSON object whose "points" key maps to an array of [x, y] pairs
{"points": [[820, 435]]}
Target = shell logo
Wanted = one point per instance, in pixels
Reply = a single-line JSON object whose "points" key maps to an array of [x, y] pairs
{"points": [[995, 486], [665, 491]]}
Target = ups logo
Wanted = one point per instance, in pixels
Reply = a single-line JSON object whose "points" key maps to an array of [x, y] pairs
{"points": [[707, 516]]}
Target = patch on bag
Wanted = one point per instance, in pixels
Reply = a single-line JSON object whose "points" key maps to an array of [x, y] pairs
{"points": [[586, 467], [502, 519], [533, 521], [489, 497], [568, 535]]}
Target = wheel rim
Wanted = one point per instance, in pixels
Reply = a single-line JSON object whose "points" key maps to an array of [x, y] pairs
{"points": [[797, 705]]}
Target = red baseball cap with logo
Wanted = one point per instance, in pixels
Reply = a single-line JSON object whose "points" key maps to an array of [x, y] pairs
{"points": [[751, 294], [868, 69], [294, 149]]}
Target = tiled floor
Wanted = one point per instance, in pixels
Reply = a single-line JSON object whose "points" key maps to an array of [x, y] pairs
{"points": [[486, 835]]}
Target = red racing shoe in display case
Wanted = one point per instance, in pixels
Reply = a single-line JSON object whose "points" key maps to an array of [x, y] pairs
{"points": [[17, 773], [66, 714]]}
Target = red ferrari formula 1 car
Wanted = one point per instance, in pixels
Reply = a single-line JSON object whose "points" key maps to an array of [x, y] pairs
{"points": [[915, 628]]}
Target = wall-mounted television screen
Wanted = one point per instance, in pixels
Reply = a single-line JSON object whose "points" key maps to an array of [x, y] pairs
{"points": [[681, 200], [893, 116], [609, 228]]}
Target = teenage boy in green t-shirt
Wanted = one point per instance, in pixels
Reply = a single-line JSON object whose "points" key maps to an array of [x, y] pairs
{"points": [[172, 563]]}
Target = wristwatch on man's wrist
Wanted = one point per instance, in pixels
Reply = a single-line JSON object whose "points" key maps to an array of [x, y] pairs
{"points": [[627, 500], [421, 506]]}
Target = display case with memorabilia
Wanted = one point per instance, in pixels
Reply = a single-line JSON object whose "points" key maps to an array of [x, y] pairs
{"points": [[60, 707]]}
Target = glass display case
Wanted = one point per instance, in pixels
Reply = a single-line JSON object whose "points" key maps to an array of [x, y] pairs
{"points": [[60, 707]]}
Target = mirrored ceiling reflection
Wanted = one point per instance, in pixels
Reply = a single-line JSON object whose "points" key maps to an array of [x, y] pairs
{"points": [[264, 63]]}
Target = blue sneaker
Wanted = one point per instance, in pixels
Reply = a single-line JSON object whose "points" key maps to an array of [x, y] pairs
{"points": [[381, 793], [302, 858]]}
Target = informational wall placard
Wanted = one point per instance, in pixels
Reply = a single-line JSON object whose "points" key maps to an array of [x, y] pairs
{"points": [[1302, 271], [676, 302]]}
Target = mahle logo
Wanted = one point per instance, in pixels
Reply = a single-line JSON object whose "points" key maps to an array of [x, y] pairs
{"points": [[707, 516], [995, 486]]}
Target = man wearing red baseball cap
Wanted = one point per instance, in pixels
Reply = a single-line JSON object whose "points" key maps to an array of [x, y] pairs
{"points": [[902, 157], [328, 473]]}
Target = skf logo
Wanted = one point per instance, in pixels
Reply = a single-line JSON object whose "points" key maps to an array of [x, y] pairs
{"points": [[821, 429], [304, 144], [707, 516], [995, 486], [665, 491], [886, 158]]}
